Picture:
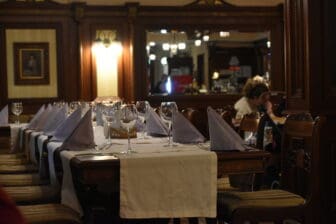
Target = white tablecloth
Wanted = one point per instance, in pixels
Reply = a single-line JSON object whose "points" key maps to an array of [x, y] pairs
{"points": [[157, 181]]}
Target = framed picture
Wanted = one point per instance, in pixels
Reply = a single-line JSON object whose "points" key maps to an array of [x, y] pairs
{"points": [[31, 63]]}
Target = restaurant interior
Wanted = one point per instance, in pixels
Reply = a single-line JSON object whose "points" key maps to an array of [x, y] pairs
{"points": [[179, 111]]}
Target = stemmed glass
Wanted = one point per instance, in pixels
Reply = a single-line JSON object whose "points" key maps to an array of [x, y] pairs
{"points": [[166, 111], [128, 118], [17, 110], [142, 107], [109, 116]]}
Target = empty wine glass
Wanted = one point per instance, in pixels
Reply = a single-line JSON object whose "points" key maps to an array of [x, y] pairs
{"points": [[128, 118], [142, 107], [166, 111], [17, 110], [109, 116]]}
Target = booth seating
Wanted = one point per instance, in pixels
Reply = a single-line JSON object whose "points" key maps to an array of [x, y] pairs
{"points": [[299, 180]]}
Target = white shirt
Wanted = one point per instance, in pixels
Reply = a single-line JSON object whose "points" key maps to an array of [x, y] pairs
{"points": [[242, 107]]}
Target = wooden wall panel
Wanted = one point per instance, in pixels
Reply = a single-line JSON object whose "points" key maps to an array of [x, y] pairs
{"points": [[48, 15]]}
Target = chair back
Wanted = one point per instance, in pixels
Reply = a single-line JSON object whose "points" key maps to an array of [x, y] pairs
{"points": [[199, 119], [264, 121], [300, 154], [250, 123]]}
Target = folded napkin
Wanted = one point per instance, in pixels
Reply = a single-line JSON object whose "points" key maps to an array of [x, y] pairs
{"points": [[44, 118], [184, 131], [67, 126], [154, 124], [222, 136], [32, 124], [82, 136], [4, 116], [55, 121]]}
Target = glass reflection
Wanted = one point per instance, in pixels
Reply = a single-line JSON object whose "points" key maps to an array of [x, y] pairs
{"points": [[203, 61]]}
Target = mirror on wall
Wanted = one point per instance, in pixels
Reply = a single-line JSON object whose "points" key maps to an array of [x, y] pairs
{"points": [[205, 61]]}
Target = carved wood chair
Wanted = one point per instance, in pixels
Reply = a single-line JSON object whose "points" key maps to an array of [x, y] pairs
{"points": [[299, 180], [249, 123], [199, 119]]}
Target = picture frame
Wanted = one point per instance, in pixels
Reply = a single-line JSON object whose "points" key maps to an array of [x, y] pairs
{"points": [[31, 63]]}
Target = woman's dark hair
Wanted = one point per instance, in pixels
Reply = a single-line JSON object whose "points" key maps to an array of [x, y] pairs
{"points": [[256, 90]]}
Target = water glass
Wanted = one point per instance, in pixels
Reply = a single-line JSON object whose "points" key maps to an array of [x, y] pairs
{"points": [[167, 110], [17, 110], [128, 118], [142, 108]]}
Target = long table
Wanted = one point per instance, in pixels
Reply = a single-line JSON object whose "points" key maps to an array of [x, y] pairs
{"points": [[91, 172]]}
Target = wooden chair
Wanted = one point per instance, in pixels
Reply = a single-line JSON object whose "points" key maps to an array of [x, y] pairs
{"points": [[198, 119], [249, 123], [299, 180]]}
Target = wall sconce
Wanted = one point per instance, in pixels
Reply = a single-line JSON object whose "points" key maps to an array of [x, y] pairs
{"points": [[105, 37]]}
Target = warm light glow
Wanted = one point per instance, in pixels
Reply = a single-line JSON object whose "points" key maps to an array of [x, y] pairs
{"points": [[181, 46], [107, 68], [152, 57], [164, 61], [152, 43], [163, 31], [268, 44], [224, 34], [173, 48], [206, 37], [198, 43], [165, 46], [215, 75]]}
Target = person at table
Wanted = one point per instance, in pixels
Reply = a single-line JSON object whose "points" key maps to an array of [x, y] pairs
{"points": [[256, 99]]}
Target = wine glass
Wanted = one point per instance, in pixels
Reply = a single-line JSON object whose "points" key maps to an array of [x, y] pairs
{"points": [[142, 107], [166, 111], [128, 118], [109, 116], [17, 110], [73, 106]]}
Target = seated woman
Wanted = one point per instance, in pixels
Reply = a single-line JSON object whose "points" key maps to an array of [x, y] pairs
{"points": [[256, 99]]}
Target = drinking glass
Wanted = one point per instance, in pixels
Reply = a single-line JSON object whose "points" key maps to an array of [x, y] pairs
{"points": [[166, 111], [17, 110], [73, 106], [109, 116], [128, 118], [142, 107]]}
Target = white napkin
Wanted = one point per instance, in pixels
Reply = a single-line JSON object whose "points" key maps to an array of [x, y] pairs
{"points": [[4, 116], [184, 131], [82, 136], [154, 124], [222, 136], [55, 121], [32, 124], [44, 117], [67, 126]]}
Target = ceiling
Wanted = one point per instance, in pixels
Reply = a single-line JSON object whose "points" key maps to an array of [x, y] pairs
{"points": [[172, 2]]}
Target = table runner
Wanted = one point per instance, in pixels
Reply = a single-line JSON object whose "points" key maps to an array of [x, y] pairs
{"points": [[184, 178]]}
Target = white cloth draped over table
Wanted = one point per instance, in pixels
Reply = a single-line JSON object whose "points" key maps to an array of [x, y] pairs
{"points": [[166, 175], [175, 182], [184, 131], [222, 136]]}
